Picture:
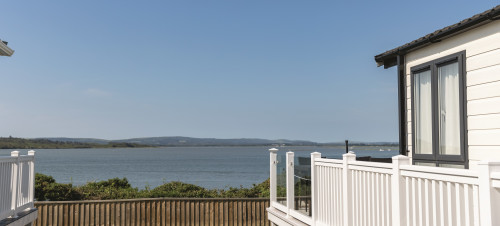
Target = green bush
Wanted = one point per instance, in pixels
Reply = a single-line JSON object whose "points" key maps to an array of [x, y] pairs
{"points": [[114, 188], [180, 189], [46, 188], [256, 191]]}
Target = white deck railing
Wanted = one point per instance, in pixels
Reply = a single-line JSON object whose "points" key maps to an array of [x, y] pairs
{"points": [[17, 180], [348, 192]]}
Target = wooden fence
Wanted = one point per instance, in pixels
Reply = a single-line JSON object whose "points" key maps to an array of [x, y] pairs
{"points": [[159, 211]]}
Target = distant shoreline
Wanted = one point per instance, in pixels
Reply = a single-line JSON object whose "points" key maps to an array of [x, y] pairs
{"points": [[207, 146], [21, 143], [160, 142]]}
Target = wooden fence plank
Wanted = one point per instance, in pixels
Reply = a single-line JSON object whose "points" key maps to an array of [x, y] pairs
{"points": [[118, 214], [211, 213], [169, 214], [49, 217], [133, 213], [82, 214]]}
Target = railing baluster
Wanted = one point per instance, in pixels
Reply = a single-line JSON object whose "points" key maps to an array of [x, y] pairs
{"points": [[450, 207], [488, 208], [314, 186], [347, 187], [290, 182], [441, 202], [397, 189], [475, 199], [467, 208], [383, 199], [358, 196], [413, 202], [457, 204], [434, 203], [321, 206], [327, 196], [366, 191], [420, 202], [369, 196], [336, 190], [339, 197], [427, 206], [407, 194], [355, 205], [388, 207], [15, 182], [272, 177], [31, 185], [377, 200]]}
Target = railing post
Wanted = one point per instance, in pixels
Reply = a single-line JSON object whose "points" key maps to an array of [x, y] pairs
{"points": [[397, 190], [273, 153], [347, 188], [15, 182], [314, 187], [488, 196], [32, 179], [290, 182]]}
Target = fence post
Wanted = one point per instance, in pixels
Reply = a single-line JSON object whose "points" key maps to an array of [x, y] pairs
{"points": [[488, 196], [290, 182], [15, 183], [273, 153], [347, 188], [314, 187], [396, 190], [32, 179]]}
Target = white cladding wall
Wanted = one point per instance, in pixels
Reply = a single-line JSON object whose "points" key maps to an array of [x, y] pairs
{"points": [[482, 46]]}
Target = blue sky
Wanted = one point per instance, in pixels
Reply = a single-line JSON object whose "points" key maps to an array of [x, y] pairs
{"points": [[223, 69]]}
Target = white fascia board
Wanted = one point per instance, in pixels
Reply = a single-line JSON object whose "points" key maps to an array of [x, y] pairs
{"points": [[5, 50]]}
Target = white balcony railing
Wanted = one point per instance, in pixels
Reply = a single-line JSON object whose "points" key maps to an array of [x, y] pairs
{"points": [[17, 180], [356, 193]]}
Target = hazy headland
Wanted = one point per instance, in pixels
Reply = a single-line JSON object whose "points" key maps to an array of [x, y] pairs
{"points": [[174, 141]]}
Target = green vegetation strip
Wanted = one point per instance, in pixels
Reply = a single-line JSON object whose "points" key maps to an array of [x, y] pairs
{"points": [[20, 143], [46, 188]]}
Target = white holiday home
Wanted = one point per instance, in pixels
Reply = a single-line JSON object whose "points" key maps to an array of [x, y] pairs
{"points": [[448, 170], [449, 83]]}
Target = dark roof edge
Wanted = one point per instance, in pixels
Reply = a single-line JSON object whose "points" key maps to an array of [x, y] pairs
{"points": [[4, 49], [388, 58]]}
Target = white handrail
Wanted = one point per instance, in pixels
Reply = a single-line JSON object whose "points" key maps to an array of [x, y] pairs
{"points": [[17, 180], [349, 192]]}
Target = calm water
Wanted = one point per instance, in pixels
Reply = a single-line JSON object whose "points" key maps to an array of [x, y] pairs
{"points": [[210, 167]]}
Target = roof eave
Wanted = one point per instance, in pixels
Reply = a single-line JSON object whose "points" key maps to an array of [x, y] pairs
{"points": [[388, 58], [5, 50]]}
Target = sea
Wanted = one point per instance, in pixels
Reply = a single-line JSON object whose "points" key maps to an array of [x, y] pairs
{"points": [[209, 167]]}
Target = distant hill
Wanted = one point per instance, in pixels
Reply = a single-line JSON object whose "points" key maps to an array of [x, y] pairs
{"points": [[78, 140], [178, 141], [190, 141], [39, 143]]}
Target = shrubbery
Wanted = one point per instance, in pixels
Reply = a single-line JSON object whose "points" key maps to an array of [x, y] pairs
{"points": [[46, 188]]}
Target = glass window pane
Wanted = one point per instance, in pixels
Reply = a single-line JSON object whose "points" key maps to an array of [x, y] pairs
{"points": [[452, 166], [423, 113], [449, 110], [425, 164]]}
